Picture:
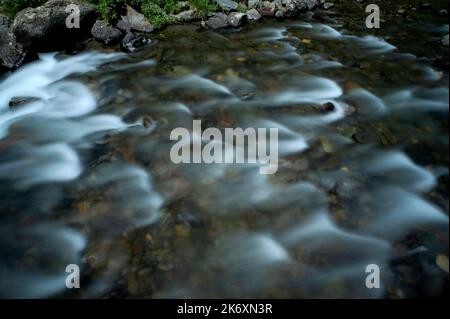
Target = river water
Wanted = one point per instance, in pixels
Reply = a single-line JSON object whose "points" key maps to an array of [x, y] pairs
{"points": [[86, 178]]}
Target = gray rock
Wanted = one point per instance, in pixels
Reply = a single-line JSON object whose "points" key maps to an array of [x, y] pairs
{"points": [[218, 20], [327, 5], [186, 16], [267, 9], [253, 15], [12, 54], [305, 5], [443, 13], [135, 21], [254, 4], [105, 33], [132, 42], [227, 5], [44, 28], [4, 21], [444, 40], [279, 14], [123, 26], [288, 8], [236, 19]]}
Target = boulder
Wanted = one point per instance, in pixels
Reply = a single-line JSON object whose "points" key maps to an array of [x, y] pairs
{"points": [[285, 8], [253, 15], [12, 54], [105, 33], [267, 9], [134, 21], [44, 28], [218, 20], [227, 5], [236, 19]]}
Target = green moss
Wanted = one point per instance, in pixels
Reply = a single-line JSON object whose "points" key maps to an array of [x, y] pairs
{"points": [[204, 6], [111, 10], [157, 16]]}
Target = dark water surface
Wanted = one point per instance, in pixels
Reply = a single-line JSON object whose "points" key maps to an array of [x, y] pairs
{"points": [[86, 178]]}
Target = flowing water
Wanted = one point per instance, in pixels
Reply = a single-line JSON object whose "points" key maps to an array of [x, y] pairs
{"points": [[86, 178]]}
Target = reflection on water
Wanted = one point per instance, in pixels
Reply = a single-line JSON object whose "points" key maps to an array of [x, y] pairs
{"points": [[86, 176]]}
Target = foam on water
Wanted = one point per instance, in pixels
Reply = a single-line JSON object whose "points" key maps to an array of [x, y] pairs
{"points": [[41, 141]]}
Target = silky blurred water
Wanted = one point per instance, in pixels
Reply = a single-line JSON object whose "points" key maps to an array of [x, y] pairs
{"points": [[86, 178]]}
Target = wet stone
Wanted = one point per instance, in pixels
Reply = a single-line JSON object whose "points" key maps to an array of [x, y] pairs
{"points": [[253, 15], [236, 19], [217, 21], [105, 33]]}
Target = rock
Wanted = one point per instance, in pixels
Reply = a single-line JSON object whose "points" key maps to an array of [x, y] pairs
{"points": [[304, 5], [105, 33], [135, 22], [4, 21], [285, 8], [12, 54], [227, 5], [218, 20], [44, 28], [444, 40], [132, 42], [267, 9], [254, 4], [253, 15], [327, 5], [236, 19], [186, 16], [443, 13], [123, 26], [279, 14], [16, 102]]}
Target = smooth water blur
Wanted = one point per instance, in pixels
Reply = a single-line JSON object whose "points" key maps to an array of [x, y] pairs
{"points": [[86, 178]]}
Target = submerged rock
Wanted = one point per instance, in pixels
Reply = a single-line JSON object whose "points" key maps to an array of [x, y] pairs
{"points": [[44, 28], [12, 54], [105, 33], [218, 20], [227, 5], [132, 42], [236, 19], [253, 15]]}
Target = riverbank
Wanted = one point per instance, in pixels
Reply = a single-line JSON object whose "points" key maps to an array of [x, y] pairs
{"points": [[131, 24], [56, 26]]}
